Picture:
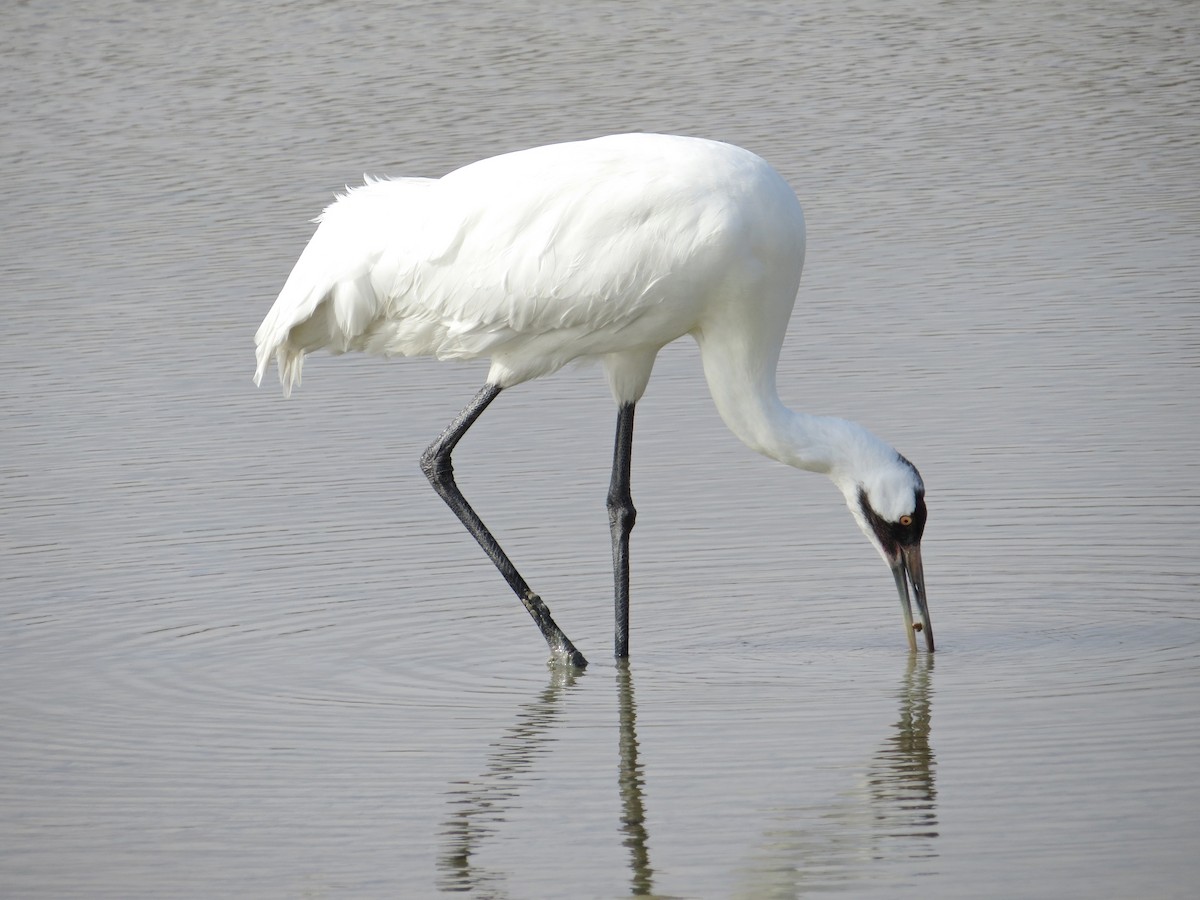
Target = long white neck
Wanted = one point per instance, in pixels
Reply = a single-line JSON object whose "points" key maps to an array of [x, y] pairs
{"points": [[741, 378]]}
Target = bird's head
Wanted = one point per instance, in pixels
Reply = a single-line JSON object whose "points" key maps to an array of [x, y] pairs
{"points": [[887, 499]]}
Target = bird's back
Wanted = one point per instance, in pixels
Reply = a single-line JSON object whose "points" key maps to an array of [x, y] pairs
{"points": [[541, 256]]}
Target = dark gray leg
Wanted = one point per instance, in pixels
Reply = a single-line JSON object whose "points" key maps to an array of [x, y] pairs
{"points": [[621, 516], [435, 463]]}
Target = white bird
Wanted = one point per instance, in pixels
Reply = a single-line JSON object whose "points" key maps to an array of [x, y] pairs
{"points": [[606, 249]]}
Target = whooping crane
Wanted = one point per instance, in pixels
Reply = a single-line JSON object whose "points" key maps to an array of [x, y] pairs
{"points": [[605, 249]]}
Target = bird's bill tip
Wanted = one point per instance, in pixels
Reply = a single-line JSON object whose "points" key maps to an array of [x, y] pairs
{"points": [[907, 569]]}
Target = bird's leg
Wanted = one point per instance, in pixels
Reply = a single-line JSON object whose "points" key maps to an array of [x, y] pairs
{"points": [[435, 463], [621, 516]]}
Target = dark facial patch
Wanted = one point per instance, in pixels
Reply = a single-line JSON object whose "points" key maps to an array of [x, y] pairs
{"points": [[894, 535]]}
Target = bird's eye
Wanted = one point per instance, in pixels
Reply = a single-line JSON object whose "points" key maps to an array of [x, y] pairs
{"points": [[906, 520]]}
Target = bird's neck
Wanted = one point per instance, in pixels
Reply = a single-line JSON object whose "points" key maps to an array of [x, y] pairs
{"points": [[742, 384]]}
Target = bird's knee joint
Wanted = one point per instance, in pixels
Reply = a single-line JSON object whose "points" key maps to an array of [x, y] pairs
{"points": [[437, 467], [621, 513]]}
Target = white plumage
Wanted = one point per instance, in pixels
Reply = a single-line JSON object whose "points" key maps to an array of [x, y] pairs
{"points": [[536, 258], [606, 249]]}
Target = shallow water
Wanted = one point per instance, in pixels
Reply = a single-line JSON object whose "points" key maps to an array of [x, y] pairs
{"points": [[245, 651]]}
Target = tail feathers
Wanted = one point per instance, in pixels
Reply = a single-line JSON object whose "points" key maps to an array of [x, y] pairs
{"points": [[288, 359], [335, 295], [278, 337], [336, 319], [290, 363], [333, 317]]}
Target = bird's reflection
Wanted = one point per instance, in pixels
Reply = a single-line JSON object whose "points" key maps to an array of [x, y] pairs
{"points": [[890, 816], [900, 778], [481, 805], [631, 780]]}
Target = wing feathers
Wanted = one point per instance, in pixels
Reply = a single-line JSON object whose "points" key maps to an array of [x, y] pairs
{"points": [[538, 257]]}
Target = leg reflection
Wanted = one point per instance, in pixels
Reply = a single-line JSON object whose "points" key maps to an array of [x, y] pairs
{"points": [[631, 781], [480, 806]]}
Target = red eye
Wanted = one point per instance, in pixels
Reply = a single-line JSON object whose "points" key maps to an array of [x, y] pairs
{"points": [[906, 520]]}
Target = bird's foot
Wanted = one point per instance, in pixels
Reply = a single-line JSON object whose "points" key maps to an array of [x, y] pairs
{"points": [[563, 654], [566, 658]]}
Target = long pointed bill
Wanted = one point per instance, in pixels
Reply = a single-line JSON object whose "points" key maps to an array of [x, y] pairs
{"points": [[908, 568]]}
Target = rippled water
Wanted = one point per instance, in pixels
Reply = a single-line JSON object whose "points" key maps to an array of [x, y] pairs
{"points": [[246, 652]]}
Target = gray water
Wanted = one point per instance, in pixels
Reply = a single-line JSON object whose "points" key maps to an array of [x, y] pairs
{"points": [[245, 651]]}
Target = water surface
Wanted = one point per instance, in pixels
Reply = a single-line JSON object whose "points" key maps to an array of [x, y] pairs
{"points": [[246, 651]]}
